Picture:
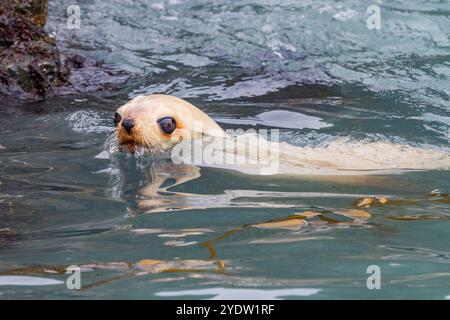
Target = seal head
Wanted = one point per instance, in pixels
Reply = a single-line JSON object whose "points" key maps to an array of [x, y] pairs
{"points": [[158, 122]]}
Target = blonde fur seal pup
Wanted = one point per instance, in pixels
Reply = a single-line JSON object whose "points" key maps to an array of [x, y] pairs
{"points": [[160, 123]]}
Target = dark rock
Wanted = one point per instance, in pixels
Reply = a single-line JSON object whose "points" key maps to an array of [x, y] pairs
{"points": [[30, 63], [31, 66], [34, 11]]}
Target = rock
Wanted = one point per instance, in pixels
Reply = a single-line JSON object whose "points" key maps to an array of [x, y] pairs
{"points": [[31, 65], [33, 10]]}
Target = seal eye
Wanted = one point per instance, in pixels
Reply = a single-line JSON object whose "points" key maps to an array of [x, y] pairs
{"points": [[167, 124], [117, 118]]}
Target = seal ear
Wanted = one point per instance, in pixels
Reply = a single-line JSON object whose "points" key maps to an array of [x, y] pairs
{"points": [[167, 125]]}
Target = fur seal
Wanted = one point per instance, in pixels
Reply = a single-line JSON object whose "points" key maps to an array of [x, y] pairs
{"points": [[160, 122]]}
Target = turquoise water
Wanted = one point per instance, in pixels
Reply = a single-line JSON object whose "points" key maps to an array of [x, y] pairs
{"points": [[63, 203]]}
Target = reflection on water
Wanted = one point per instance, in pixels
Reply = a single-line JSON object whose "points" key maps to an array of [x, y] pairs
{"points": [[27, 281], [280, 119], [241, 294], [152, 193], [154, 230]]}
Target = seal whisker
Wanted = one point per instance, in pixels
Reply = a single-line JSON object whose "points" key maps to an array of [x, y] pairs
{"points": [[111, 142], [149, 146]]}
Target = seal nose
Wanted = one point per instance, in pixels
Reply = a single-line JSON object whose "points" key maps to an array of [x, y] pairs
{"points": [[128, 124]]}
